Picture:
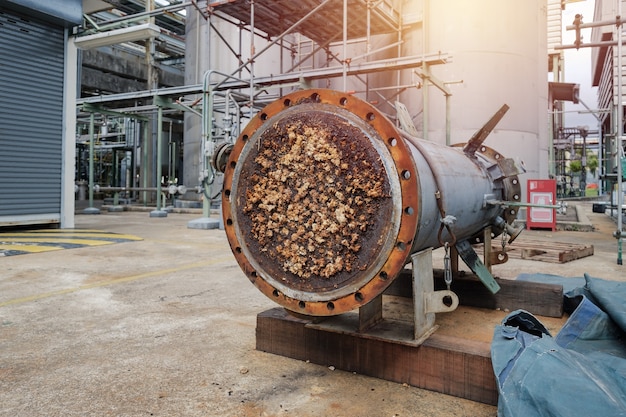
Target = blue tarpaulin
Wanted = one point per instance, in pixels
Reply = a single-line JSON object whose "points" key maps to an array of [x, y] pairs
{"points": [[580, 372]]}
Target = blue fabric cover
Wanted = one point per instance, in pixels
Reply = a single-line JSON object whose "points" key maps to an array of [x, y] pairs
{"points": [[580, 372]]}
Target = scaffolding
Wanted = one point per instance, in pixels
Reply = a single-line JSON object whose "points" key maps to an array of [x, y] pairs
{"points": [[570, 150], [302, 31]]}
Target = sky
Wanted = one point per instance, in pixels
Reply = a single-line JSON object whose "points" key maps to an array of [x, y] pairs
{"points": [[578, 66]]}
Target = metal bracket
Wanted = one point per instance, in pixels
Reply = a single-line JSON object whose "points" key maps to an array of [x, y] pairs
{"points": [[474, 263], [426, 301]]}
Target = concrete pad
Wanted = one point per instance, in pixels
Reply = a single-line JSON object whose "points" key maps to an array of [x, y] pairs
{"points": [[158, 213], [165, 326], [205, 223]]}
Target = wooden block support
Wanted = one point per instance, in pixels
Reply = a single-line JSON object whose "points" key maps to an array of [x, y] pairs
{"points": [[445, 364], [537, 298]]}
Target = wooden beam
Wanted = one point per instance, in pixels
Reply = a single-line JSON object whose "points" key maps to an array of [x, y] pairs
{"points": [[445, 364], [537, 298]]}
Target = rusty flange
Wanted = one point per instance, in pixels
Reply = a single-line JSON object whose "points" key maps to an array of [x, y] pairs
{"points": [[321, 201]]}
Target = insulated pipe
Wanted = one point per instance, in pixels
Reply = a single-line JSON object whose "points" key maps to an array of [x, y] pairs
{"points": [[325, 199]]}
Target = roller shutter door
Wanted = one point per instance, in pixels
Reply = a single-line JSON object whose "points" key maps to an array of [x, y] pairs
{"points": [[31, 118]]}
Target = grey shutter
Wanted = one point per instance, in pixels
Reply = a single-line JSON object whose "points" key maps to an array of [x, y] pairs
{"points": [[31, 116]]}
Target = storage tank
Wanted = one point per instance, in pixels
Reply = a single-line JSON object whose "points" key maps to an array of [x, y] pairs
{"points": [[499, 55]]}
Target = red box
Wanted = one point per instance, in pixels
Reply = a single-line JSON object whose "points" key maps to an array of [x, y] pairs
{"points": [[541, 192]]}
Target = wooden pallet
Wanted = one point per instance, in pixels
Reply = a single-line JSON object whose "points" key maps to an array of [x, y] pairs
{"points": [[536, 250]]}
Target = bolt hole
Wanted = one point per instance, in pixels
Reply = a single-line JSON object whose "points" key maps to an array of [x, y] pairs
{"points": [[406, 174], [275, 293], [343, 101], [229, 222], [330, 306], [393, 141], [383, 275], [447, 301], [253, 274], [233, 164], [238, 249], [401, 246], [315, 97], [370, 117], [287, 102], [263, 116], [516, 197], [483, 149], [514, 182], [244, 138], [493, 235], [497, 156], [512, 212], [409, 211], [227, 193], [302, 304], [359, 297], [501, 257]]}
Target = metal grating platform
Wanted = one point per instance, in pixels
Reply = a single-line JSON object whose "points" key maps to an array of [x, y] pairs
{"points": [[276, 16]]}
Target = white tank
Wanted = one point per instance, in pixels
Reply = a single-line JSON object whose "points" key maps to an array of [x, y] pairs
{"points": [[499, 55]]}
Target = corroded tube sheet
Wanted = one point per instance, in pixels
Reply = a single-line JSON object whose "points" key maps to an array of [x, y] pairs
{"points": [[325, 200]]}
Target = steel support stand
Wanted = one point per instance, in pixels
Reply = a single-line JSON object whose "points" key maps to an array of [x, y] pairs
{"points": [[91, 209], [159, 212], [427, 301]]}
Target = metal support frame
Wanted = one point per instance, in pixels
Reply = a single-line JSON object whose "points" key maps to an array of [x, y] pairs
{"points": [[426, 301], [159, 212], [252, 90], [91, 209], [92, 109]]}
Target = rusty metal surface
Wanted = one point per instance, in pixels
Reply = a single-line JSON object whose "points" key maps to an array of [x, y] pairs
{"points": [[275, 16], [320, 202], [324, 200]]}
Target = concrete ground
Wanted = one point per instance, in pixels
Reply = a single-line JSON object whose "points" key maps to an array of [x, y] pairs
{"points": [[166, 327]]}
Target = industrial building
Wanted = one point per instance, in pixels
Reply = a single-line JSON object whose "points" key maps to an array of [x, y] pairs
{"points": [[200, 64], [209, 67]]}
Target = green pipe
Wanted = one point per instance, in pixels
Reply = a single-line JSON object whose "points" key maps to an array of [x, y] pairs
{"points": [[159, 157], [91, 151], [144, 162]]}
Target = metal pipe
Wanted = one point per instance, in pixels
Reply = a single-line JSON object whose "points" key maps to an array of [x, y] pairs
{"points": [[345, 62], [159, 170], [325, 199], [124, 189], [620, 134], [144, 161], [91, 151]]}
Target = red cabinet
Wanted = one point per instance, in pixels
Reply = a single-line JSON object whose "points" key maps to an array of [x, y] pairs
{"points": [[541, 192]]}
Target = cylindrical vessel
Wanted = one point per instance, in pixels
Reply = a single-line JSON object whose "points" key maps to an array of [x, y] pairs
{"points": [[325, 200]]}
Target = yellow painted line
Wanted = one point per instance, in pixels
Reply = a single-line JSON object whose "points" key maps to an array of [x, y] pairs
{"points": [[115, 281], [84, 242], [67, 231], [42, 235], [30, 248]]}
